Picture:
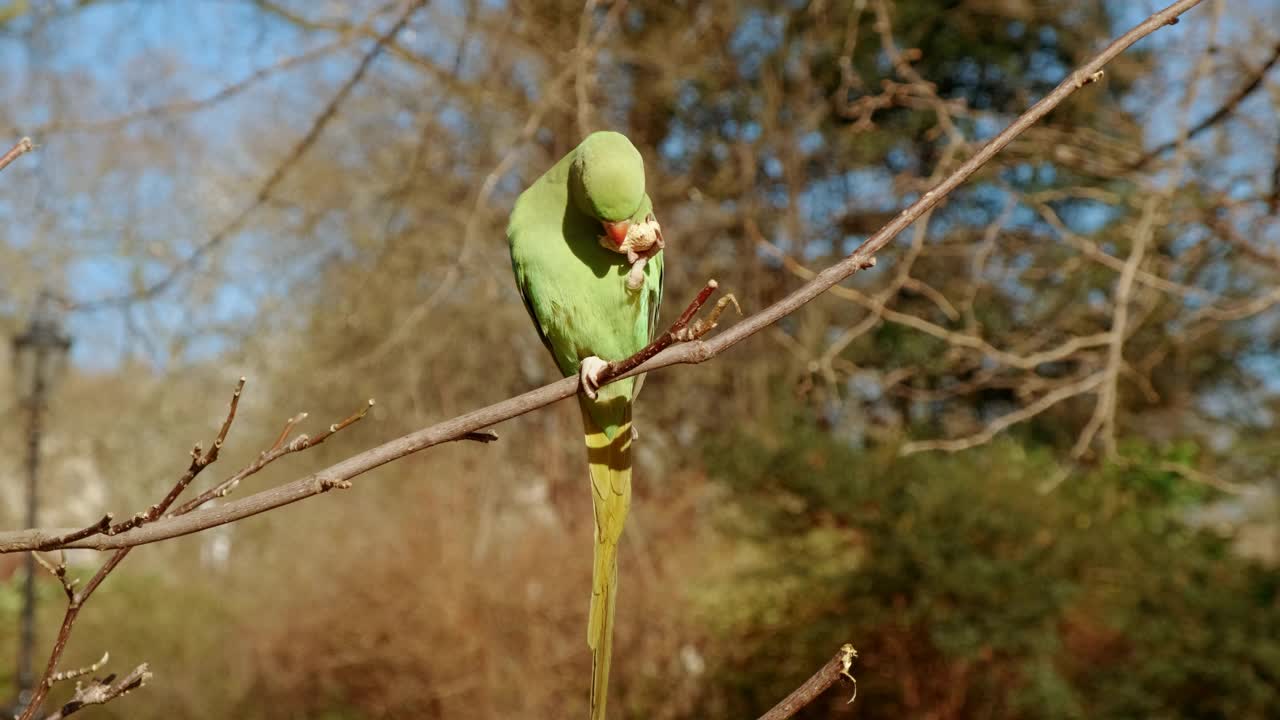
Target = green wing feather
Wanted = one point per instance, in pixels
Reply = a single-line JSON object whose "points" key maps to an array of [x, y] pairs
{"points": [[575, 290]]}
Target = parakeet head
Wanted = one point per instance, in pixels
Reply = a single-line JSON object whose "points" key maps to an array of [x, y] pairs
{"points": [[607, 181]]}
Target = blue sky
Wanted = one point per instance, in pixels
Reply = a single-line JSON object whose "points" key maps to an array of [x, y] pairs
{"points": [[138, 54]]}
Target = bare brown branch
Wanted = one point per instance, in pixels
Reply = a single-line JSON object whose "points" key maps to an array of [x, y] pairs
{"points": [[837, 667], [1103, 422], [663, 341], [59, 572], [199, 462], [1008, 420], [103, 525], [687, 353], [278, 450], [23, 147], [78, 672], [100, 692]]}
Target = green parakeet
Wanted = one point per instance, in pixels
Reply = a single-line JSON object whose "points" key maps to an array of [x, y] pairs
{"points": [[587, 254]]}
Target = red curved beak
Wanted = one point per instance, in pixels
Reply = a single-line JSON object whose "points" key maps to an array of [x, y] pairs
{"points": [[617, 231]]}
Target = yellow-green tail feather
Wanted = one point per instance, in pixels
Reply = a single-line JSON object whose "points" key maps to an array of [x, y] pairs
{"points": [[609, 460]]}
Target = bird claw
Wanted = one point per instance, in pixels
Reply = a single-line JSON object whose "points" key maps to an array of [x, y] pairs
{"points": [[589, 372], [635, 278], [643, 241]]}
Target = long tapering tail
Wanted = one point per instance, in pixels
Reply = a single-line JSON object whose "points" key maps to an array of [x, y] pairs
{"points": [[609, 460]]}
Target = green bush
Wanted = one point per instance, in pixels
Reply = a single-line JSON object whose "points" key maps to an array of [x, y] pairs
{"points": [[972, 591]]}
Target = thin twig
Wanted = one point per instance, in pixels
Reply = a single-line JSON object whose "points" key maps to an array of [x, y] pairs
{"points": [[1228, 107], [100, 692], [58, 571], [74, 604], [193, 105], [1103, 421], [23, 147], [288, 427], [103, 525], [78, 672], [278, 450], [1206, 479], [1031, 361], [1007, 420], [199, 461], [663, 341], [837, 667]]}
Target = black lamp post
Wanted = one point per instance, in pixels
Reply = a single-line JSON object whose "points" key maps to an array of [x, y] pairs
{"points": [[39, 359]]}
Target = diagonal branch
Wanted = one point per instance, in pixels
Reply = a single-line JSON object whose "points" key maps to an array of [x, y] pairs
{"points": [[837, 667], [199, 461], [680, 331], [1007, 420], [193, 105], [277, 451], [101, 692], [98, 528], [22, 147], [1226, 110], [697, 351]]}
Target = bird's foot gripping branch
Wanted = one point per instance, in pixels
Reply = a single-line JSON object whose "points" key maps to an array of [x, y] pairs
{"points": [[596, 372], [686, 328]]}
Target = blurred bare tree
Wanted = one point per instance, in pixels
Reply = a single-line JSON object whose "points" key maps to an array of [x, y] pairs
{"points": [[242, 188]]}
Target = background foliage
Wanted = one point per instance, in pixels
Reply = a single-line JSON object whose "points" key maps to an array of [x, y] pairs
{"points": [[1112, 554]]}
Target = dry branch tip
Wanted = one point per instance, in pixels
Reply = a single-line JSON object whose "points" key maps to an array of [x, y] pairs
{"points": [[22, 147], [847, 655], [100, 692], [78, 672]]}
